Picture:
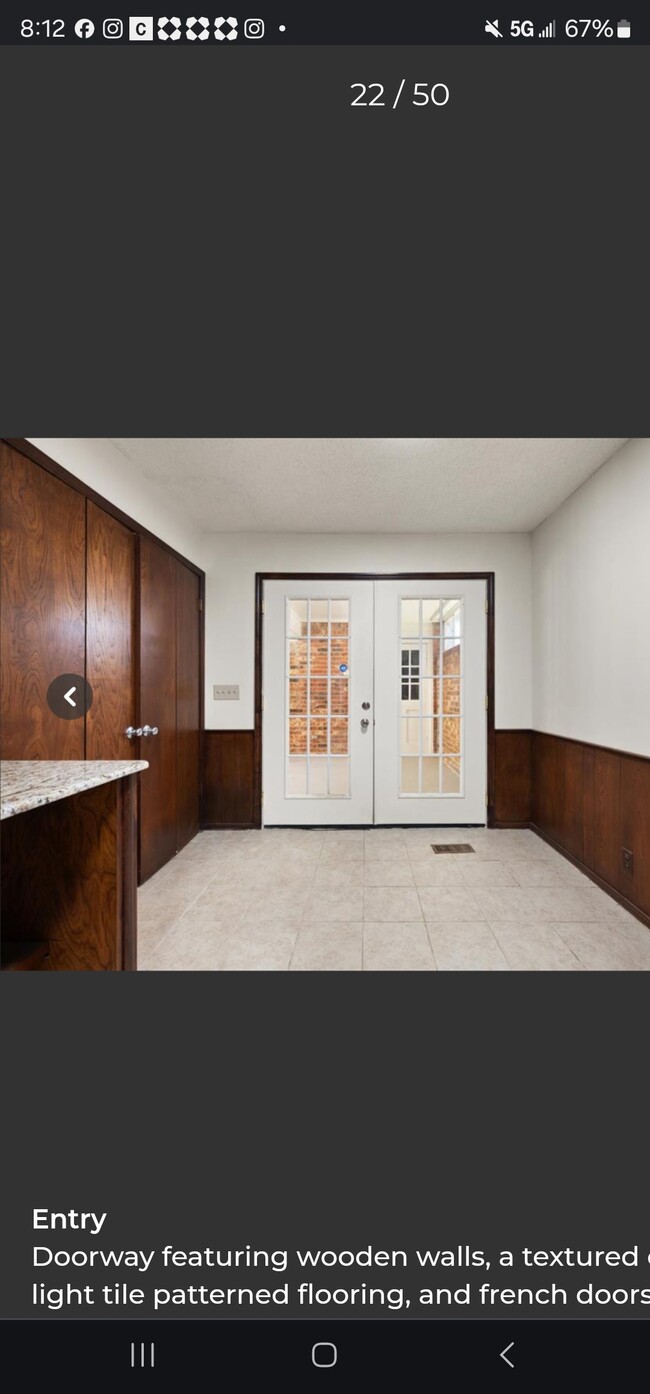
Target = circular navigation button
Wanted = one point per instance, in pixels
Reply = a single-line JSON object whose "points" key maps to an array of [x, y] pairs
{"points": [[69, 696]]}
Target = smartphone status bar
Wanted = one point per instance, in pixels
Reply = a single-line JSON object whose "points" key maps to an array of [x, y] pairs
{"points": [[299, 24]]}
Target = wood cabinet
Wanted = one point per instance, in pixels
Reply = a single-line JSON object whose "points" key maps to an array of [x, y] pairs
{"points": [[87, 590], [157, 706], [169, 701], [69, 871], [43, 607], [110, 636]]}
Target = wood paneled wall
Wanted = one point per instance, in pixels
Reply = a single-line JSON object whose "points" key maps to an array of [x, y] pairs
{"points": [[593, 803], [228, 779], [512, 778]]}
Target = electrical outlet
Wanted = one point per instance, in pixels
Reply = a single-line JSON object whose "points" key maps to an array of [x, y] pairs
{"points": [[226, 692], [628, 861]]}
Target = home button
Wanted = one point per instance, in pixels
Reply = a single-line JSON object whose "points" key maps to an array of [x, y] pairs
{"points": [[324, 1354]]}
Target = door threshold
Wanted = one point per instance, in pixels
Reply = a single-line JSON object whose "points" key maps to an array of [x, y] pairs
{"points": [[360, 827]]}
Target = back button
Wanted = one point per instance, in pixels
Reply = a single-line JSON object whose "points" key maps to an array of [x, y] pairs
{"points": [[69, 696]]}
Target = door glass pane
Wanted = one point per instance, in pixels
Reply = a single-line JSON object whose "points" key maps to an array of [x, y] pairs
{"points": [[451, 656], [430, 737], [297, 736], [431, 617], [340, 779], [451, 735], [340, 656], [298, 696], [451, 777], [318, 735], [410, 776], [410, 618], [339, 736], [318, 698], [429, 673], [410, 737], [297, 617], [318, 653], [452, 613], [297, 656], [451, 696], [318, 612], [430, 658], [340, 696], [340, 619], [430, 776], [297, 779], [318, 778]]}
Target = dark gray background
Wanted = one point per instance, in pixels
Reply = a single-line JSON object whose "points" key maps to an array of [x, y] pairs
{"points": [[201, 249], [326, 1110], [207, 243]]}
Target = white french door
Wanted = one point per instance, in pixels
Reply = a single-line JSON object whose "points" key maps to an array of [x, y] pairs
{"points": [[374, 702], [430, 699], [317, 753]]}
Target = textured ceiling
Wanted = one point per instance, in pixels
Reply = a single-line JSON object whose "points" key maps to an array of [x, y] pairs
{"points": [[341, 485]]}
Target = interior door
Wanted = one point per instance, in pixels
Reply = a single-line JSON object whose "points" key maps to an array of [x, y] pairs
{"points": [[188, 621], [318, 691], [157, 820], [110, 637], [430, 702]]}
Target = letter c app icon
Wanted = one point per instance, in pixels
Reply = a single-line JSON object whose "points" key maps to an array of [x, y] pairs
{"points": [[141, 28]]}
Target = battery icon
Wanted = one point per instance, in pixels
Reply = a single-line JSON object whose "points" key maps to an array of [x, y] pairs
{"points": [[623, 29]]}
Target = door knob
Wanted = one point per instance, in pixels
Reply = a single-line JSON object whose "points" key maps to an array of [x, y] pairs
{"points": [[366, 706], [149, 731], [132, 731], [364, 723]]}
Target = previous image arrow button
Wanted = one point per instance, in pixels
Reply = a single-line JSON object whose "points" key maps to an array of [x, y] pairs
{"points": [[504, 1355]]}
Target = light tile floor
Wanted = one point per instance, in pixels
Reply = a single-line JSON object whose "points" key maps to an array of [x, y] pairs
{"points": [[381, 900]]}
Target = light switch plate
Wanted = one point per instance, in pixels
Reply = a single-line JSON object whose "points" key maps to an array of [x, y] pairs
{"points": [[226, 692]]}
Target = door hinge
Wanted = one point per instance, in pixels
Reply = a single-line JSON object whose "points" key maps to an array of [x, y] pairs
{"points": [[486, 799], [487, 607], [486, 703], [263, 702], [200, 603], [263, 607], [262, 797]]}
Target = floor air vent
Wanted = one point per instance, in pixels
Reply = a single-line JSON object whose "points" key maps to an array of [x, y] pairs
{"points": [[452, 847]]}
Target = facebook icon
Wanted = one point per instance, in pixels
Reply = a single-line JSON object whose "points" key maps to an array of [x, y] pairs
{"points": [[84, 28], [141, 27]]}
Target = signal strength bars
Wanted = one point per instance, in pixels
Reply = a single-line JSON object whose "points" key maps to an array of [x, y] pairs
{"points": [[548, 32]]}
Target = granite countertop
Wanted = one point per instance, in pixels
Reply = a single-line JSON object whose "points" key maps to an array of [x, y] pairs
{"points": [[26, 784]]}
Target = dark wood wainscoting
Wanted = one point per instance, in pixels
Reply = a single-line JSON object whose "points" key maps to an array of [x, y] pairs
{"points": [[593, 804], [228, 779], [512, 778]]}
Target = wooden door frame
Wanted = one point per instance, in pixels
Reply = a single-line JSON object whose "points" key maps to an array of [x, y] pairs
{"points": [[38, 457], [261, 576]]}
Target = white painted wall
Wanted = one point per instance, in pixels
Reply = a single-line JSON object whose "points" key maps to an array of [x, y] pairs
{"points": [[591, 608], [104, 468], [233, 559]]}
